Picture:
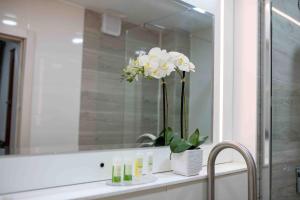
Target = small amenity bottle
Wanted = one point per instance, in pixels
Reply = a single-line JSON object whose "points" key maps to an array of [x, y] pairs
{"points": [[116, 171], [150, 163], [127, 173], [138, 166]]}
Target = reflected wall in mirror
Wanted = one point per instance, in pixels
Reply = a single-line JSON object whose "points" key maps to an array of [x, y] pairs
{"points": [[61, 87]]}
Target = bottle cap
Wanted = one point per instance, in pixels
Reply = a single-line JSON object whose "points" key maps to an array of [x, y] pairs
{"points": [[117, 160]]}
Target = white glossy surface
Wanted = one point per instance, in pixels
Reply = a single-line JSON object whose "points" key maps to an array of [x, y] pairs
{"points": [[45, 171], [55, 170], [246, 19], [56, 69], [143, 180], [99, 190]]}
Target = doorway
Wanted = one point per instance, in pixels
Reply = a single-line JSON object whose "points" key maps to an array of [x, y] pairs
{"points": [[9, 84]]}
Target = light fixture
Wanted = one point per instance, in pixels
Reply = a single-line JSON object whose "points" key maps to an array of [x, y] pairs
{"points": [[188, 5], [279, 12], [221, 101], [200, 10], [159, 26], [77, 40], [9, 22]]}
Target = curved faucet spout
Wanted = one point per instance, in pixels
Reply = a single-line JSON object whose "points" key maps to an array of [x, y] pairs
{"points": [[252, 184]]}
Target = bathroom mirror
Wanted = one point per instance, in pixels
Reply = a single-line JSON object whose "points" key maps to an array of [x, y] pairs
{"points": [[61, 66]]}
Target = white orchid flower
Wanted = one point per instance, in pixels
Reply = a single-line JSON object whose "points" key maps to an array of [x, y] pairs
{"points": [[192, 67], [162, 58], [182, 62], [167, 68], [155, 52], [143, 60], [151, 68], [158, 63], [132, 71], [150, 65], [157, 74]]}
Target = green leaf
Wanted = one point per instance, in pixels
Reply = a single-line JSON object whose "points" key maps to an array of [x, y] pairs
{"points": [[194, 138], [169, 134], [203, 140], [179, 145], [161, 133], [164, 139], [160, 141]]}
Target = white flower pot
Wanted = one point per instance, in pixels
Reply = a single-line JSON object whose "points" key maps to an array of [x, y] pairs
{"points": [[188, 163]]}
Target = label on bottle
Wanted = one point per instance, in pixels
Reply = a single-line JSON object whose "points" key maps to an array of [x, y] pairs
{"points": [[138, 168], [150, 164], [127, 172], [116, 174]]}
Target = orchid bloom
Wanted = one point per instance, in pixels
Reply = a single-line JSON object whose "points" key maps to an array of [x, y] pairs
{"points": [[132, 71], [158, 63], [162, 61], [182, 62]]}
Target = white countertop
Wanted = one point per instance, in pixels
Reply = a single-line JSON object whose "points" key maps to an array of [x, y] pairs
{"points": [[98, 190]]}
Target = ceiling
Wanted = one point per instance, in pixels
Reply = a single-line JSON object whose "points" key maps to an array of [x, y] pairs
{"points": [[167, 13], [136, 11], [189, 20]]}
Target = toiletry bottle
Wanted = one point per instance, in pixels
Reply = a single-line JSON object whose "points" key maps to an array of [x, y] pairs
{"points": [[138, 166], [149, 163], [127, 173], [116, 171]]}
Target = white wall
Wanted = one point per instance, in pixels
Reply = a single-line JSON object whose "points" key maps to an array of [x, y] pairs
{"points": [[56, 70], [246, 72]]}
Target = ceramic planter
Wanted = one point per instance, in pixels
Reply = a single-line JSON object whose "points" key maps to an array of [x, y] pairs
{"points": [[188, 163]]}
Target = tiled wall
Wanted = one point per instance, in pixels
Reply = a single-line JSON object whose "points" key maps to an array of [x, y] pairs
{"points": [[285, 101], [176, 41], [114, 112]]}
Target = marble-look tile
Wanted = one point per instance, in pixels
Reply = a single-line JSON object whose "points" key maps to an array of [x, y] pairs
{"points": [[285, 102], [114, 112], [290, 7], [118, 109]]}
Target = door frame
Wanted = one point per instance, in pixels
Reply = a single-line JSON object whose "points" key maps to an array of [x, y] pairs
{"points": [[264, 138], [25, 40]]}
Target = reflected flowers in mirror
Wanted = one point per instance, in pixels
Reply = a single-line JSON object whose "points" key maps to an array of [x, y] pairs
{"points": [[158, 64]]}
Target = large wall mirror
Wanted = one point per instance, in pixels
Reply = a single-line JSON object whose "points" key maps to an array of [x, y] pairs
{"points": [[61, 66]]}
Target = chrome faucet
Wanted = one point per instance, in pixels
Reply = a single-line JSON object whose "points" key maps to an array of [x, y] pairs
{"points": [[252, 182]]}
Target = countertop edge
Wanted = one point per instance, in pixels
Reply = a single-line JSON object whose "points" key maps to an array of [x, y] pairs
{"points": [[96, 190]]}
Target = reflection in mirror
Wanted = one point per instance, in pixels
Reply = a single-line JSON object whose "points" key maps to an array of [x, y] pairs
{"points": [[70, 56]]}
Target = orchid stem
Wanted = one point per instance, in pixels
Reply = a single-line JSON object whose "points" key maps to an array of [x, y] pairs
{"points": [[182, 106], [181, 75], [164, 107]]}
